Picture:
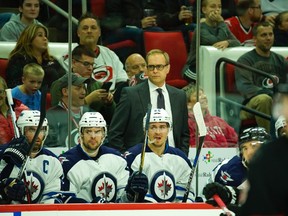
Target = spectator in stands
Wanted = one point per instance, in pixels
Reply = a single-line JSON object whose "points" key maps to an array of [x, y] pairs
{"points": [[281, 29], [219, 133], [174, 15], [213, 32], [98, 99], [28, 93], [108, 66], [135, 65], [257, 89], [126, 20], [126, 128], [58, 115], [32, 47], [271, 9], [29, 11], [249, 12], [6, 122]]}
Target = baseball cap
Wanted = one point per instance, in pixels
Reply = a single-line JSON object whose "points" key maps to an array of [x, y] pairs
{"points": [[76, 80]]}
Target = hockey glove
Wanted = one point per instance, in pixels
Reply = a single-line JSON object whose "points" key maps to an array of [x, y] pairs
{"points": [[137, 184], [215, 188], [17, 151], [13, 189]]}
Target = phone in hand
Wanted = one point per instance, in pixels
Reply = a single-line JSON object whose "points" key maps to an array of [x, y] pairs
{"points": [[106, 86]]}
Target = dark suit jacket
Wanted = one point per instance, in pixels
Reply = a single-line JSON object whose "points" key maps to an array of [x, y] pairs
{"points": [[126, 129]]}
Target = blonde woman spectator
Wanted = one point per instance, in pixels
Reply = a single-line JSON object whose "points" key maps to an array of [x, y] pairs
{"points": [[32, 47]]}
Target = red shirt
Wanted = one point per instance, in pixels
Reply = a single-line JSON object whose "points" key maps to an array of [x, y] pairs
{"points": [[238, 30]]}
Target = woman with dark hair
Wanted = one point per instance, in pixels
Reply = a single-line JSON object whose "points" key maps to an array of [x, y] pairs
{"points": [[32, 47], [281, 29], [6, 125]]}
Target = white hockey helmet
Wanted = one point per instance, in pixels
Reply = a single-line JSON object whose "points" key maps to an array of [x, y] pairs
{"points": [[30, 118], [92, 119], [158, 115], [280, 123]]}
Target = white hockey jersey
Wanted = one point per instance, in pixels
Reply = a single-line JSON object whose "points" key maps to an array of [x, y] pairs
{"points": [[42, 176], [167, 174], [104, 176]]}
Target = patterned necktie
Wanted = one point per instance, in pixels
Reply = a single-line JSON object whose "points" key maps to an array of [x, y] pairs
{"points": [[160, 99]]}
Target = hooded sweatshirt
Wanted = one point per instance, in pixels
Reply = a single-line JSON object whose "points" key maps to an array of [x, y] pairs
{"points": [[13, 28]]}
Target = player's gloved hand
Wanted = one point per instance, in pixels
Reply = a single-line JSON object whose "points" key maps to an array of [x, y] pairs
{"points": [[215, 188], [13, 189], [17, 151], [137, 186], [99, 199]]}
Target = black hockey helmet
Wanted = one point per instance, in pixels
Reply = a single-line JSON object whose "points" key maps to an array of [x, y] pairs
{"points": [[253, 133]]}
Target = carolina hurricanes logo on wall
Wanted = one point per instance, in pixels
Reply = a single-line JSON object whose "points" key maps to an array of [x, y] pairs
{"points": [[102, 73], [163, 187], [104, 186]]}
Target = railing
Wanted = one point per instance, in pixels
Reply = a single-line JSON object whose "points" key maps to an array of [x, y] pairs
{"points": [[221, 93]]}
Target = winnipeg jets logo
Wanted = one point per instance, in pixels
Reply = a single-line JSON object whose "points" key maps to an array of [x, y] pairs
{"points": [[225, 177], [35, 185], [163, 186], [104, 186]]}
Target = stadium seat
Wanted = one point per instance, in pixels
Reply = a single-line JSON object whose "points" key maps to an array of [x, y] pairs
{"points": [[172, 43], [3, 66]]}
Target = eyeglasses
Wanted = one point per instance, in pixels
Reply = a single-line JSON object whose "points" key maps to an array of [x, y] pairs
{"points": [[2, 91], [161, 128], [91, 132], [85, 63], [159, 67]]}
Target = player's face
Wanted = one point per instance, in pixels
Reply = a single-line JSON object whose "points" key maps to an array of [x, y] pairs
{"points": [[88, 31], [32, 83], [83, 66], [264, 38], [157, 76], [30, 9], [248, 150], [40, 42], [30, 131], [92, 138], [157, 134]]}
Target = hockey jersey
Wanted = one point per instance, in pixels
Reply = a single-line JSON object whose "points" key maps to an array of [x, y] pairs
{"points": [[42, 176], [231, 172], [167, 174], [104, 176]]}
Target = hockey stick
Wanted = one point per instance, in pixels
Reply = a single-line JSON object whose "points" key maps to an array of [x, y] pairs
{"points": [[146, 138], [144, 144], [202, 133], [222, 205], [13, 115], [32, 144]]}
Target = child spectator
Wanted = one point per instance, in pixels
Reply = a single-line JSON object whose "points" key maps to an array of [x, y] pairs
{"points": [[28, 92], [281, 29], [219, 133]]}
